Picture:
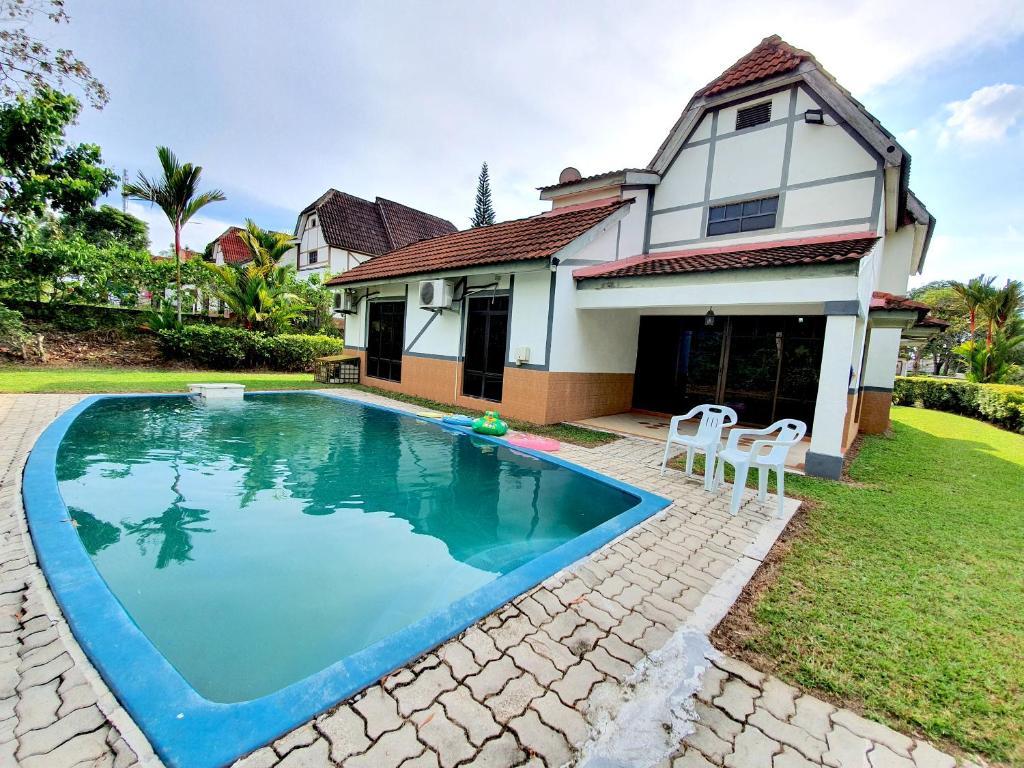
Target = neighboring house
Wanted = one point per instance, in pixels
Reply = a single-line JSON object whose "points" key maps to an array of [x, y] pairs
{"points": [[340, 231], [228, 248], [759, 260], [192, 299]]}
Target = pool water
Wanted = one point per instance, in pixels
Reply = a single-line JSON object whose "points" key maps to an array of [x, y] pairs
{"points": [[258, 542]]}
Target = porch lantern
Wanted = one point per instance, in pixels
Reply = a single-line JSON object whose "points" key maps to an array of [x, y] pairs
{"points": [[709, 318]]}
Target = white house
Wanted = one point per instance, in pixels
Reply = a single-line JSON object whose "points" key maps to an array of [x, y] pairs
{"points": [[759, 260], [339, 231]]}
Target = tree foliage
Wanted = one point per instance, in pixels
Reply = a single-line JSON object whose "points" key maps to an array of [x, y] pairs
{"points": [[28, 64], [483, 210], [946, 304], [106, 224], [1003, 328], [38, 169]]}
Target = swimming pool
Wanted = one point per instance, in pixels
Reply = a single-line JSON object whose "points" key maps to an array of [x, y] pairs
{"points": [[245, 566]]}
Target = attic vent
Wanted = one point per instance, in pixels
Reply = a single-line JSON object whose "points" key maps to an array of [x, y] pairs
{"points": [[755, 115]]}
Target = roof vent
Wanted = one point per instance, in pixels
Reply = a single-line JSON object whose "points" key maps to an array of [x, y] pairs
{"points": [[755, 115], [569, 175]]}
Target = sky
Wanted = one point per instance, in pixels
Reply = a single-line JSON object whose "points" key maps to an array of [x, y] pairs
{"points": [[405, 99]]}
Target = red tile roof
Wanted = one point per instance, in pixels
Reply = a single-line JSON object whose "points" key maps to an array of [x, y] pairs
{"points": [[890, 301], [537, 237], [233, 248], [374, 227], [186, 255], [772, 56], [828, 249]]}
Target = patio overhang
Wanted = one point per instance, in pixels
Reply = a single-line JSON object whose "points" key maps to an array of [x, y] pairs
{"points": [[818, 275]]}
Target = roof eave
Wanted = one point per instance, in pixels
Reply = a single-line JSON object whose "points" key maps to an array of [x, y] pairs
{"points": [[600, 182]]}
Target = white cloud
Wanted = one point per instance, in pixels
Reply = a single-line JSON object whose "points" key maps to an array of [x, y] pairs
{"points": [[986, 115], [195, 235]]}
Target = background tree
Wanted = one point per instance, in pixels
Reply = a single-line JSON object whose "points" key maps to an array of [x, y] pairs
{"points": [[107, 224], [946, 304], [28, 64], [483, 211], [975, 292], [178, 196], [264, 245], [1001, 308], [38, 169]]}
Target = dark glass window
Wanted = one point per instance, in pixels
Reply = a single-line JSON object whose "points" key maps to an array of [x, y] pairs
{"points": [[386, 337], [743, 217], [486, 336], [314, 256]]}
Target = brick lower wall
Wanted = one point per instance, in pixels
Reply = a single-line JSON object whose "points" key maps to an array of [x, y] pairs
{"points": [[874, 412], [541, 397]]}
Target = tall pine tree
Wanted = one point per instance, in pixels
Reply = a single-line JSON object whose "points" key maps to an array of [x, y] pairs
{"points": [[483, 212]]}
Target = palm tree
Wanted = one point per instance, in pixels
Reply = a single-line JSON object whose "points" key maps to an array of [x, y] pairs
{"points": [[177, 194], [261, 295], [1002, 306], [265, 246], [975, 293]]}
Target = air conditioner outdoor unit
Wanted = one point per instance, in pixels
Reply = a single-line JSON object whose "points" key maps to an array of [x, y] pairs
{"points": [[436, 294], [345, 302]]}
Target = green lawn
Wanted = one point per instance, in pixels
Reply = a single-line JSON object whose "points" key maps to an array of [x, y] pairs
{"points": [[904, 596], [19, 378]]}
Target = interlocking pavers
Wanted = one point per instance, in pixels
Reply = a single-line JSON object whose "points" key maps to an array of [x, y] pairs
{"points": [[541, 662], [444, 736]]}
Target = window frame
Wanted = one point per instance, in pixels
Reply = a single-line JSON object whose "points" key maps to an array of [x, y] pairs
{"points": [[757, 220], [313, 257]]}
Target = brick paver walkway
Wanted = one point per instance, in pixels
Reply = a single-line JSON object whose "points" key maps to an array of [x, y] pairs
{"points": [[526, 686]]}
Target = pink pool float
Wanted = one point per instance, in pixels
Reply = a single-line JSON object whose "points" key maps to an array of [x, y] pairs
{"points": [[533, 442]]}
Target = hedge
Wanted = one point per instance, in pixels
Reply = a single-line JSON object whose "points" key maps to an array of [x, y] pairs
{"points": [[90, 317], [1001, 404], [211, 346]]}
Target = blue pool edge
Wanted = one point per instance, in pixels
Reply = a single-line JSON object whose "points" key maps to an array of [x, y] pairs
{"points": [[189, 731]]}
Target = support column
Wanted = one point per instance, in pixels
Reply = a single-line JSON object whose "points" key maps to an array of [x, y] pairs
{"points": [[825, 457], [877, 379]]}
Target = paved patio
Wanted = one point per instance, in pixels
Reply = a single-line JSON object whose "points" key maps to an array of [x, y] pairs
{"points": [[655, 427], [604, 664]]}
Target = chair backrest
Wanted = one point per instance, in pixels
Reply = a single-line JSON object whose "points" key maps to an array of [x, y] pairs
{"points": [[713, 418], [790, 431]]}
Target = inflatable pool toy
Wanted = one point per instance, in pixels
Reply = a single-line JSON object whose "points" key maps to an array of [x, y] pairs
{"points": [[430, 415], [534, 442], [458, 419], [490, 424]]}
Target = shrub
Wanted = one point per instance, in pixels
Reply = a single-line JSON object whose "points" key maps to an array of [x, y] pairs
{"points": [[296, 352], [1001, 404], [211, 346], [12, 329], [90, 317]]}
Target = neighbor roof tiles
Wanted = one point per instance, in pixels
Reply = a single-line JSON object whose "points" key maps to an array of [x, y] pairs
{"points": [[233, 248], [832, 249], [537, 237], [350, 222]]}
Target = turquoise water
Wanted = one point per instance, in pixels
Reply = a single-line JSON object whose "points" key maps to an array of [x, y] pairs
{"points": [[257, 543]]}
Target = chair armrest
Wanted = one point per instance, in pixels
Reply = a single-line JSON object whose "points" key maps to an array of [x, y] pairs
{"points": [[759, 444], [677, 420], [736, 434]]}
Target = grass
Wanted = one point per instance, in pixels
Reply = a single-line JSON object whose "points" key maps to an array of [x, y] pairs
{"points": [[95, 380], [566, 433], [904, 595]]}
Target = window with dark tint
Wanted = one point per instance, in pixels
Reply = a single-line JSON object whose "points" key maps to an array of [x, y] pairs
{"points": [[743, 217], [755, 115], [386, 337], [486, 335], [313, 257]]}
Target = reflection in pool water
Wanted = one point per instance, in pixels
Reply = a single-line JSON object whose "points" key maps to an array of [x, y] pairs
{"points": [[259, 543]]}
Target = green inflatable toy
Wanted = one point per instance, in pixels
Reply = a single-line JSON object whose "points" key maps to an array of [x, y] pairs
{"points": [[490, 424]]}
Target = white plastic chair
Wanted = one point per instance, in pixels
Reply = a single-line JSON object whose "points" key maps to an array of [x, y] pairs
{"points": [[790, 432], [708, 440]]}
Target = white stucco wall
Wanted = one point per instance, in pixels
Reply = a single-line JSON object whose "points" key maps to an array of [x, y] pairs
{"points": [[827, 177], [633, 228], [897, 250]]}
